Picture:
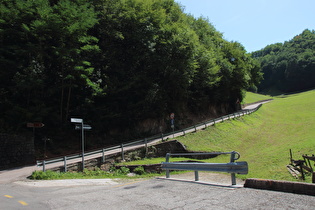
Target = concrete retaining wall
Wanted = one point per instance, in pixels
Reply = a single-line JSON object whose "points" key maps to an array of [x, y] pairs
{"points": [[283, 186]]}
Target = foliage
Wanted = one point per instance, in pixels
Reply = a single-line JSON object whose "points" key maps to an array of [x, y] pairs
{"points": [[116, 62], [97, 173], [139, 170], [44, 60], [122, 170], [289, 66]]}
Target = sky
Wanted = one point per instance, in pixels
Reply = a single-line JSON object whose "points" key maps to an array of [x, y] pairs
{"points": [[255, 23]]}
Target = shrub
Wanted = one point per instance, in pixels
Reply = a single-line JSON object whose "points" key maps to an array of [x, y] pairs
{"points": [[124, 170], [139, 170], [44, 175]]}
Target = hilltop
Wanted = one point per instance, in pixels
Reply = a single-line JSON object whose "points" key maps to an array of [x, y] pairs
{"points": [[288, 66]]}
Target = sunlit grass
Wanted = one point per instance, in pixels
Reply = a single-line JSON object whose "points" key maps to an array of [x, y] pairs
{"points": [[254, 97], [265, 137], [149, 161]]}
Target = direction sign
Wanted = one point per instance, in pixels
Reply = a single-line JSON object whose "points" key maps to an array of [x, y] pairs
{"points": [[76, 120], [35, 125], [85, 127]]}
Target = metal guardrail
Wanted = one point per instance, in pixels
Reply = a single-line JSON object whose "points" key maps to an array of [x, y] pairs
{"points": [[146, 141], [231, 167]]}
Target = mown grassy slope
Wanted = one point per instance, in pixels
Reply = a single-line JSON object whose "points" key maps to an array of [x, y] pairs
{"points": [[264, 137], [254, 97]]}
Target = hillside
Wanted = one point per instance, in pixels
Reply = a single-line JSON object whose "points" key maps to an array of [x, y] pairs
{"points": [[122, 66], [288, 66], [254, 97], [264, 137]]}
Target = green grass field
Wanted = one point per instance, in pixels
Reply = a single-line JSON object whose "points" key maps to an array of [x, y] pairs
{"points": [[254, 97], [264, 138]]}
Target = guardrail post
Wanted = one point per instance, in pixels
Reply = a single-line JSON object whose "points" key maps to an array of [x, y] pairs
{"points": [[167, 159], [205, 125], [122, 152], [146, 146], [162, 137], [183, 132], [233, 179], [195, 128], [103, 156], [65, 163], [44, 168], [196, 176]]}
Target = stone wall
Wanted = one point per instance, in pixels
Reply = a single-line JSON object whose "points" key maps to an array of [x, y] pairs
{"points": [[16, 151]]}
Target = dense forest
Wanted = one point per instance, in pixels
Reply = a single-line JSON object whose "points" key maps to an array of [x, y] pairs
{"points": [[121, 65], [288, 66]]}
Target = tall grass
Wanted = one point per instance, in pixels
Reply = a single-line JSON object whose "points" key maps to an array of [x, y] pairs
{"points": [[264, 137]]}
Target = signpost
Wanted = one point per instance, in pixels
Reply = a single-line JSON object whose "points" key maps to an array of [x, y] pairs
{"points": [[78, 120], [85, 127], [35, 125], [172, 117]]}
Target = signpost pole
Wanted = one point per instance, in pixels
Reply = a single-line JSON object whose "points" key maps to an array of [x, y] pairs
{"points": [[78, 120], [82, 131], [172, 116]]}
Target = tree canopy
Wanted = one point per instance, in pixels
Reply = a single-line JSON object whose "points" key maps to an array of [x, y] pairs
{"points": [[289, 66], [115, 63]]}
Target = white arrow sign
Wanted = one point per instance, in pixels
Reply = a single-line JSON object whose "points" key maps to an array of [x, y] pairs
{"points": [[85, 127], [76, 120]]}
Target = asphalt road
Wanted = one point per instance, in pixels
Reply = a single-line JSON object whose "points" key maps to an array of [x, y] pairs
{"points": [[156, 193]]}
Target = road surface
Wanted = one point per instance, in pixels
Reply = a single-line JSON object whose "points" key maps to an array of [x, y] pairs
{"points": [[156, 193]]}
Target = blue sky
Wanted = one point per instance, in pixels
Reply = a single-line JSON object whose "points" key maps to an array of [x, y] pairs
{"points": [[255, 23]]}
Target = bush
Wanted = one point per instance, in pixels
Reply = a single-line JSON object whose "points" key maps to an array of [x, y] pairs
{"points": [[124, 170], [119, 172], [44, 175], [139, 170]]}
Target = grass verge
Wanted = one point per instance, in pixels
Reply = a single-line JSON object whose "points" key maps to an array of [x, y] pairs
{"points": [[97, 173]]}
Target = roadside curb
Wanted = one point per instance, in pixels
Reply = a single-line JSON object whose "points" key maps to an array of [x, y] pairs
{"points": [[283, 186]]}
